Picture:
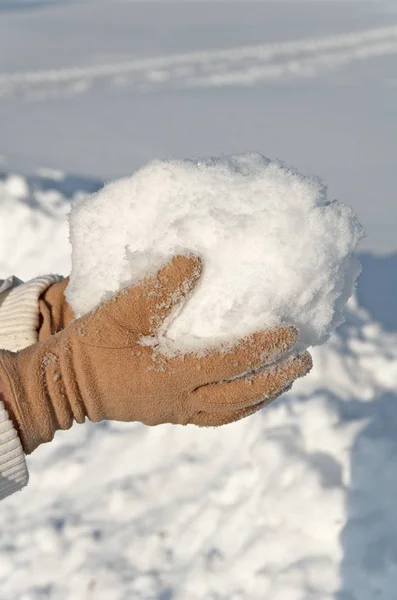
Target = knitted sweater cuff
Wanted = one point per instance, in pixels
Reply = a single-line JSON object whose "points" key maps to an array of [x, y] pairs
{"points": [[19, 312], [19, 321], [13, 470]]}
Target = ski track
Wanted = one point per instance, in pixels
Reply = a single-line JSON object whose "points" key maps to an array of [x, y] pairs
{"points": [[242, 66]]}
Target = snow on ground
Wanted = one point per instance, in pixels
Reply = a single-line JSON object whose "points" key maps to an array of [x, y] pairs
{"points": [[34, 224], [295, 503]]}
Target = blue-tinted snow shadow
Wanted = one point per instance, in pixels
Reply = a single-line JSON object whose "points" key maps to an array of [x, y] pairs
{"points": [[67, 185], [369, 537], [377, 289]]}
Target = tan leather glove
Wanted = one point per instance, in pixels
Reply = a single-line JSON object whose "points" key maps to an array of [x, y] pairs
{"points": [[55, 313], [99, 368]]}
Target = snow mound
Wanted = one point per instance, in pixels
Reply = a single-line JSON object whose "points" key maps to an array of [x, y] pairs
{"points": [[33, 210], [296, 502], [274, 248]]}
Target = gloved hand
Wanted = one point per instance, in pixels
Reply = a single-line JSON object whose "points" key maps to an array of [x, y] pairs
{"points": [[55, 313], [100, 368]]}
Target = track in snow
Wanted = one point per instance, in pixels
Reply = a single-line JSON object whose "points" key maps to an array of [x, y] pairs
{"points": [[242, 66]]}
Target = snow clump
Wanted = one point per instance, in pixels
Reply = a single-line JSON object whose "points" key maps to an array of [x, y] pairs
{"points": [[274, 248]]}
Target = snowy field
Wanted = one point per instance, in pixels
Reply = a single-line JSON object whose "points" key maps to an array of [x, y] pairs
{"points": [[295, 503]]}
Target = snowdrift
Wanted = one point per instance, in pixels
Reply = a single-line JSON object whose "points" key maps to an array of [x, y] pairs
{"points": [[296, 502]]}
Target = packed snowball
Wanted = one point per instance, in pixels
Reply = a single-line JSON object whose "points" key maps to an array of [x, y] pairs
{"points": [[274, 249]]}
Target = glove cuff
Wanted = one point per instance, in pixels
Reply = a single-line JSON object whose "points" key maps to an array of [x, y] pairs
{"points": [[27, 392], [55, 312]]}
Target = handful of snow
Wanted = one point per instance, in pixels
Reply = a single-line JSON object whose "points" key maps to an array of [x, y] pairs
{"points": [[274, 249]]}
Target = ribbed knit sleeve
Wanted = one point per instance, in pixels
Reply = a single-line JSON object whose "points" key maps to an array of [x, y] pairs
{"points": [[13, 470], [19, 312]]}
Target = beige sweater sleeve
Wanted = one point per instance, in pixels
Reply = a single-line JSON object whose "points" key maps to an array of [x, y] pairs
{"points": [[19, 321]]}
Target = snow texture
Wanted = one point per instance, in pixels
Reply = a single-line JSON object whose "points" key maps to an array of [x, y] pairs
{"points": [[296, 502], [39, 203], [274, 248]]}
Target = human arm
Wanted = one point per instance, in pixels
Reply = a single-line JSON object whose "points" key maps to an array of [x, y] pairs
{"points": [[20, 318], [112, 364]]}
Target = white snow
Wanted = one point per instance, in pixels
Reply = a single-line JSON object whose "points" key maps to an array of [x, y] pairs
{"points": [[33, 215], [274, 248], [297, 502]]}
